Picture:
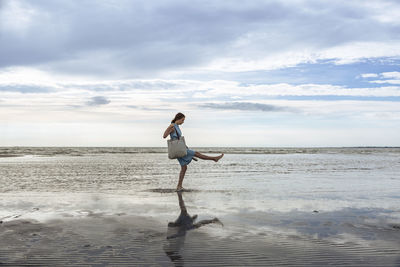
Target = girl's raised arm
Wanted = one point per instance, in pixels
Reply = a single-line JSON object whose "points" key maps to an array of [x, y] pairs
{"points": [[169, 130]]}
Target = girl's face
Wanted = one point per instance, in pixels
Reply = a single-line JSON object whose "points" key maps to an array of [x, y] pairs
{"points": [[180, 121]]}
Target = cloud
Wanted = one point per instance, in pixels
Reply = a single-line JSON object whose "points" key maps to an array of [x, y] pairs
{"points": [[152, 38], [98, 101], [392, 77], [392, 74], [149, 108], [231, 89], [245, 106], [369, 75], [151, 93], [25, 88], [386, 82]]}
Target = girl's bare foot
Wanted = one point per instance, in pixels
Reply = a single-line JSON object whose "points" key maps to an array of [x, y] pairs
{"points": [[219, 157]]}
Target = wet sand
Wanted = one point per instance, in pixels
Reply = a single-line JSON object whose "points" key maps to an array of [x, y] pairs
{"points": [[350, 237]]}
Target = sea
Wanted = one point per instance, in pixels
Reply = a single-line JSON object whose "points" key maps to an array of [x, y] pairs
{"points": [[276, 206]]}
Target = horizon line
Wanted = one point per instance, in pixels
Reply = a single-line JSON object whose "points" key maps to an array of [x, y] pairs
{"points": [[202, 146]]}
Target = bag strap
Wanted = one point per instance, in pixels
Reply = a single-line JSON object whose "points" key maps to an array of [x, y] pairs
{"points": [[177, 134]]}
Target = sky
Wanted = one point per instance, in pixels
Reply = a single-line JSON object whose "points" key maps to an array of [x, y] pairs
{"points": [[245, 73]]}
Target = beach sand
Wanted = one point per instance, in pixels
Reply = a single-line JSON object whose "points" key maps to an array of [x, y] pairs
{"points": [[115, 206]]}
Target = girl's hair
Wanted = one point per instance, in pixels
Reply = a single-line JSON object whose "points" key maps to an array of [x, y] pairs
{"points": [[178, 116]]}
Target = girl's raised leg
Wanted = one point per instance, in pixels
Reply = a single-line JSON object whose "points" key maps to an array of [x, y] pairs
{"points": [[205, 157]]}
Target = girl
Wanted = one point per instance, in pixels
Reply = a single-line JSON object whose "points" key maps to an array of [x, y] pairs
{"points": [[173, 130]]}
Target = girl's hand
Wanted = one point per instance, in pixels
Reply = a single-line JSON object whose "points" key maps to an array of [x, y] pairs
{"points": [[172, 127]]}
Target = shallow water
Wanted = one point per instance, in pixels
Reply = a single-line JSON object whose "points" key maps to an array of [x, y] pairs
{"points": [[279, 206]]}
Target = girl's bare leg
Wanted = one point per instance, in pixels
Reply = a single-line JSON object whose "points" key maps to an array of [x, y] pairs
{"points": [[205, 157], [181, 176]]}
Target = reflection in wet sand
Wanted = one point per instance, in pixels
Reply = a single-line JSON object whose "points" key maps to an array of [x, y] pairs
{"points": [[177, 232]]}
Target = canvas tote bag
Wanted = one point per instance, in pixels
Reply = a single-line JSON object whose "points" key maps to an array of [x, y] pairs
{"points": [[177, 148]]}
